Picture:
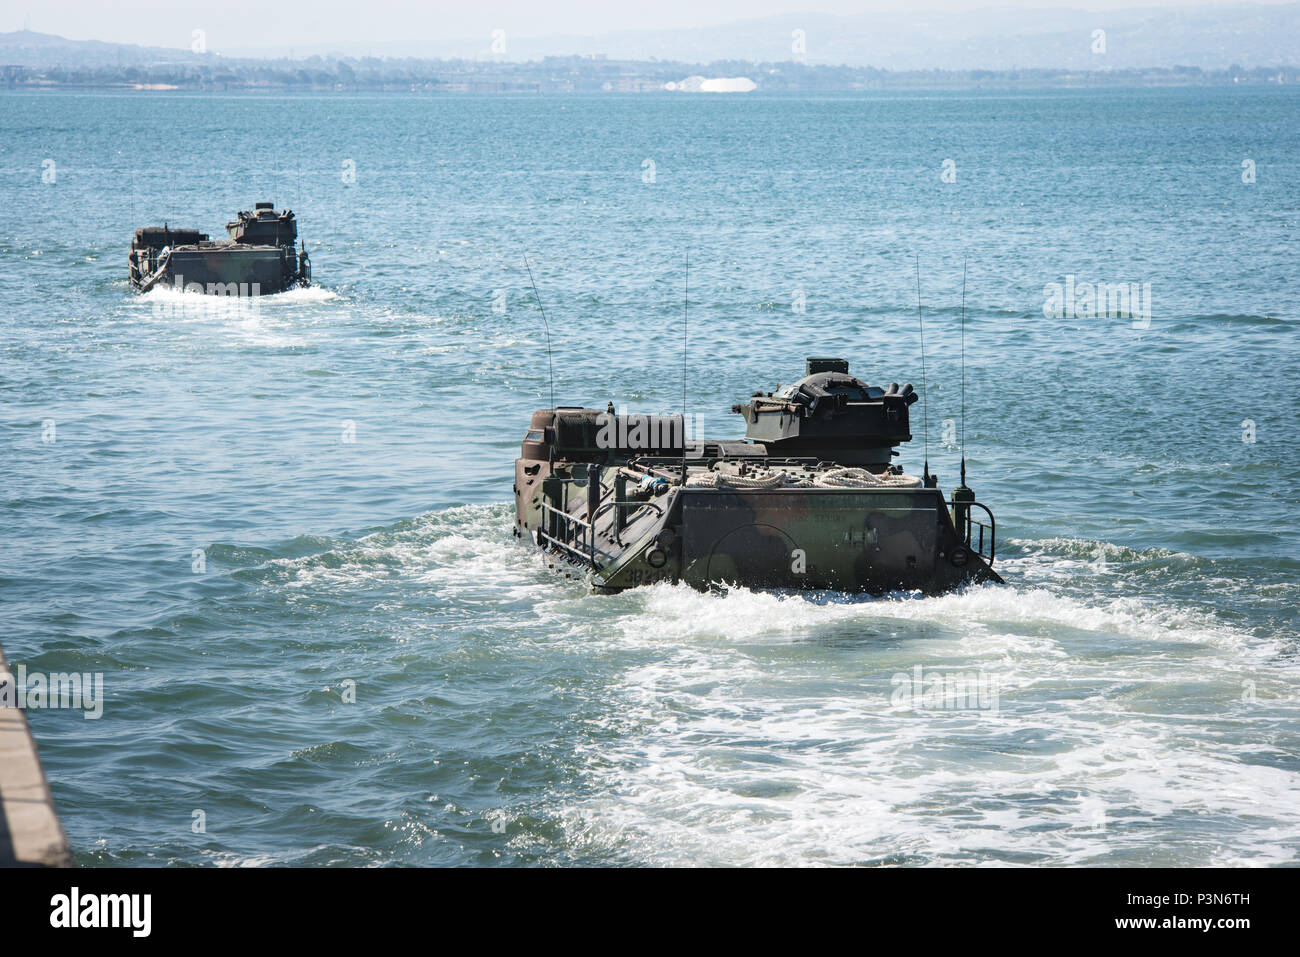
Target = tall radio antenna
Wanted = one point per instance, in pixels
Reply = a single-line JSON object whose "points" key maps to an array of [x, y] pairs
{"points": [[925, 402], [686, 312], [550, 370], [963, 370]]}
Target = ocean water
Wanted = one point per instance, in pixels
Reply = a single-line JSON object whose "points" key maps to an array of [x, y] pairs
{"points": [[244, 517]]}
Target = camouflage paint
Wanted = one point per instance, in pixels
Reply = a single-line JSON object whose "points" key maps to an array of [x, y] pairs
{"points": [[877, 538]]}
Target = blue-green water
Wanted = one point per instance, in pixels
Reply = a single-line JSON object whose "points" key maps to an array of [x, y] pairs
{"points": [[1144, 649]]}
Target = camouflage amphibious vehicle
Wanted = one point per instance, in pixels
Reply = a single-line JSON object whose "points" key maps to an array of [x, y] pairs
{"points": [[258, 258], [809, 499]]}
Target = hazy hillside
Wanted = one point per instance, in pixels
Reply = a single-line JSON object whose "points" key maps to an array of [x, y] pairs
{"points": [[1209, 37], [41, 50], [994, 39]]}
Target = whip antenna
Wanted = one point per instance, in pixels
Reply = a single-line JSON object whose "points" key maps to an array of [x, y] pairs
{"points": [[925, 402], [963, 370], [550, 370], [686, 311]]}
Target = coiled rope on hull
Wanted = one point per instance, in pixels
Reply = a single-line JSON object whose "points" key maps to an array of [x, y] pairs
{"points": [[727, 480], [831, 478], [862, 478]]}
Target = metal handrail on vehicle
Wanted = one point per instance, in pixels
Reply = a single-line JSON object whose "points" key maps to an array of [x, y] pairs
{"points": [[562, 529], [961, 508], [575, 535]]}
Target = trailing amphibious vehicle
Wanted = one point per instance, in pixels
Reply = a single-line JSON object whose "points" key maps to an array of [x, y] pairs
{"points": [[809, 499], [257, 258]]}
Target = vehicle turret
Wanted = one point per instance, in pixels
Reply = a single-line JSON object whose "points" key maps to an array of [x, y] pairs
{"points": [[264, 227], [832, 415]]}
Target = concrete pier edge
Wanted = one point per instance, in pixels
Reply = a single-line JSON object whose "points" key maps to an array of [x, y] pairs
{"points": [[30, 832]]}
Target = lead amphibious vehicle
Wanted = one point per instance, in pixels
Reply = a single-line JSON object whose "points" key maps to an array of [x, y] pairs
{"points": [[809, 499], [256, 258]]}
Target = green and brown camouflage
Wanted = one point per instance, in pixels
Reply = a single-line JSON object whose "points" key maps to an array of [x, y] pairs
{"points": [[258, 258], [809, 500]]}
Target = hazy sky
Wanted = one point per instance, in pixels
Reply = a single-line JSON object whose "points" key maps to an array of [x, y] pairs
{"points": [[246, 25]]}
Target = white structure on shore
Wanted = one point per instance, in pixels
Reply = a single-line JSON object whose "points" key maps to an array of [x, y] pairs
{"points": [[699, 84]]}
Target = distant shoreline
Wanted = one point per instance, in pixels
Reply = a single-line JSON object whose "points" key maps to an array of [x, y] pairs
{"points": [[547, 76]]}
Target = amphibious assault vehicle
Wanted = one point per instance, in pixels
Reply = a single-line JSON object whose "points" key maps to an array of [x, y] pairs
{"points": [[809, 499], [258, 258]]}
